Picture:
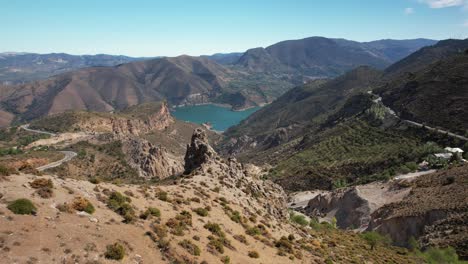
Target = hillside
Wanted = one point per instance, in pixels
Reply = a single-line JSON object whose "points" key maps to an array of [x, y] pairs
{"points": [[332, 133], [25, 67], [436, 95], [318, 57], [219, 212], [179, 80]]}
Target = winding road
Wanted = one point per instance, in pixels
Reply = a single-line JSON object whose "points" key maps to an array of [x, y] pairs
{"points": [[416, 124], [26, 127], [68, 154]]}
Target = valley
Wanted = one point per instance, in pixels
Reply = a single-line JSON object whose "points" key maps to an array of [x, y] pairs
{"points": [[316, 150]]}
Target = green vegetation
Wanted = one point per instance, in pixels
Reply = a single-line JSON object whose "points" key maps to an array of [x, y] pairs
{"points": [[215, 229], [22, 207], [115, 251], [201, 211], [441, 256], [351, 153], [120, 204], [190, 247], [299, 219], [151, 211], [374, 239], [180, 223]]}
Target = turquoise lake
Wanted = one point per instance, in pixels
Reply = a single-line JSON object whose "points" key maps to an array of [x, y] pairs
{"points": [[221, 118]]}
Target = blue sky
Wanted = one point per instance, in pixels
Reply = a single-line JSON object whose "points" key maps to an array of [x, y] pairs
{"points": [[195, 27]]}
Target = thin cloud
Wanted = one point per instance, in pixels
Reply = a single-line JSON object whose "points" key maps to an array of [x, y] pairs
{"points": [[444, 3], [409, 11], [465, 24]]}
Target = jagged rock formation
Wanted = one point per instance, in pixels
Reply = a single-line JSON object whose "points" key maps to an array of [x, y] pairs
{"points": [[149, 160], [198, 152], [201, 159]]}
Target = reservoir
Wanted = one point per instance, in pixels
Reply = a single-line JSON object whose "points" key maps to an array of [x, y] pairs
{"points": [[221, 118]]}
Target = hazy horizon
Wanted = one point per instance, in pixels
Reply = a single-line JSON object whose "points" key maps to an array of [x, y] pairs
{"points": [[145, 28]]}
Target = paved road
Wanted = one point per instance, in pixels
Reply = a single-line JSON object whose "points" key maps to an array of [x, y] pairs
{"points": [[26, 127], [68, 156], [413, 174], [416, 124]]}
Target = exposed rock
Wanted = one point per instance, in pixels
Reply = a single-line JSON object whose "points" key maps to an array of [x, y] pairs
{"points": [[122, 125], [352, 207], [243, 181], [435, 212], [150, 161], [199, 151]]}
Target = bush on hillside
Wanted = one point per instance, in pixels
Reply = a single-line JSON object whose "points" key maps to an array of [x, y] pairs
{"points": [[115, 251], [22, 207]]}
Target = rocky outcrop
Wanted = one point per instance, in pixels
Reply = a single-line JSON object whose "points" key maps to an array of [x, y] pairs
{"points": [[243, 181], [198, 152], [149, 160], [123, 124]]}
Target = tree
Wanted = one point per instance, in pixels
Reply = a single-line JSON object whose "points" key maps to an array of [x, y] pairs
{"points": [[374, 239]]}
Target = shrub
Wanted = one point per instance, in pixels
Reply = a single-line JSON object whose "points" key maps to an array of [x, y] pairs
{"points": [[253, 231], [299, 219], [201, 211], [226, 259], [284, 245], [374, 239], [162, 195], [217, 245], [6, 171], [42, 183], [441, 256], [45, 192], [83, 205], [22, 207], [215, 229], [241, 238], [236, 217], [151, 211], [253, 254], [190, 247], [119, 203], [115, 251]]}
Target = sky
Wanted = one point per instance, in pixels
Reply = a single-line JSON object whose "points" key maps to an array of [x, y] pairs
{"points": [[195, 27]]}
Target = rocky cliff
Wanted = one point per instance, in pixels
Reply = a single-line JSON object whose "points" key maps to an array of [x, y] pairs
{"points": [[128, 124], [151, 161], [242, 180]]}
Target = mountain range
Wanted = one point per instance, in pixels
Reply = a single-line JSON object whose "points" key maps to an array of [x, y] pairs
{"points": [[21, 67], [253, 78], [362, 125]]}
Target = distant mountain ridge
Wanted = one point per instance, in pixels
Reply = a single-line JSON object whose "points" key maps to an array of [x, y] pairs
{"points": [[254, 78], [20, 67], [324, 57]]}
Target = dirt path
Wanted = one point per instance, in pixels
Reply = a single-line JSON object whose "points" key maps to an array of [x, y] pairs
{"points": [[413, 174]]}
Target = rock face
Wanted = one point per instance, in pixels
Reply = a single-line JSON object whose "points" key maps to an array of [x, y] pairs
{"points": [[198, 152], [242, 180], [352, 207], [149, 160], [123, 125], [435, 212]]}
